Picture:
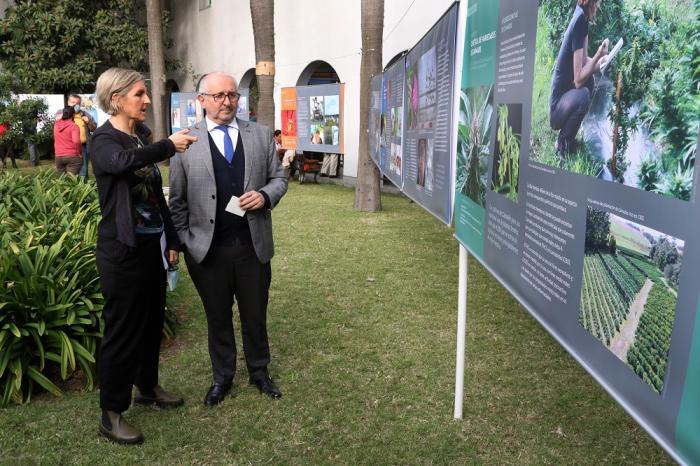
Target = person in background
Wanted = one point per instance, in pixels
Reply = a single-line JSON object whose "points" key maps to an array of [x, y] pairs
{"points": [[228, 254], [136, 241], [30, 133], [87, 126], [278, 144], [6, 146], [66, 143]]}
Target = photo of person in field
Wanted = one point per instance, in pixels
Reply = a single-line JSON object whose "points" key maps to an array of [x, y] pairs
{"points": [[616, 91]]}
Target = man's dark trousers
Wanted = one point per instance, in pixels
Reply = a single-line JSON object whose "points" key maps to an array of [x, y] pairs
{"points": [[229, 271]]}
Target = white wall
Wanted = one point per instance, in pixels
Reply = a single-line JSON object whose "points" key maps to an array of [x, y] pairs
{"points": [[221, 38], [406, 23]]}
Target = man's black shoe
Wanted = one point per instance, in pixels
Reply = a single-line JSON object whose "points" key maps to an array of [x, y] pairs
{"points": [[216, 394], [267, 387]]}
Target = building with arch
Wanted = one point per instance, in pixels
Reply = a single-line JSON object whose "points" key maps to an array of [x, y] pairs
{"points": [[316, 42]]}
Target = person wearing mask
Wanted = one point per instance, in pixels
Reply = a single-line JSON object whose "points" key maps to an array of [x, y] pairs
{"points": [[221, 193], [136, 241], [87, 126], [66, 143]]}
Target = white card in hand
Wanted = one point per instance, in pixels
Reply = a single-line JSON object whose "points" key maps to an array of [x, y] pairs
{"points": [[234, 206]]}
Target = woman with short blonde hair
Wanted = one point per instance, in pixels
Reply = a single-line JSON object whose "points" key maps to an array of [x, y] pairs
{"points": [[114, 81], [130, 259]]}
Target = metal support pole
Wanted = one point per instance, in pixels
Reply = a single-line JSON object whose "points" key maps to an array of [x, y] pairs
{"points": [[461, 331]]}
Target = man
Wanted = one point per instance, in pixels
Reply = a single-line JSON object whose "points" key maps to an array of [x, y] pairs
{"points": [[87, 125], [278, 144], [229, 255], [30, 134]]}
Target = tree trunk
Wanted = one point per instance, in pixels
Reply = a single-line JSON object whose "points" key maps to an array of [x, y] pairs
{"points": [[156, 63], [367, 189], [263, 14]]}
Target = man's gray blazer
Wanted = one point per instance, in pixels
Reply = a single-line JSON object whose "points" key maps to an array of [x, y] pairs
{"points": [[193, 189]]}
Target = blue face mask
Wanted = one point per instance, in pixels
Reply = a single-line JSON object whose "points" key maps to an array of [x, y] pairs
{"points": [[76, 107]]}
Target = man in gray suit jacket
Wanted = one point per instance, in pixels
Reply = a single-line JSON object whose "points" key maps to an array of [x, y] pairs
{"points": [[221, 194]]}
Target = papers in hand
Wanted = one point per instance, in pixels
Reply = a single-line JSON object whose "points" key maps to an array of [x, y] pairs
{"points": [[611, 55], [234, 206]]}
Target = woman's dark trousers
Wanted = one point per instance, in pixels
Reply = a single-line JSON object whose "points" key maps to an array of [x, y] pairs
{"points": [[133, 285]]}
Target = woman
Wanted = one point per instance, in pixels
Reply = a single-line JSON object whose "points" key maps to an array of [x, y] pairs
{"points": [[66, 143], [130, 260], [572, 80]]}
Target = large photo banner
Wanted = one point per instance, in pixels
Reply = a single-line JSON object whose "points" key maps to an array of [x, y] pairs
{"points": [[289, 117], [426, 167], [575, 186], [375, 118], [320, 118], [392, 119]]}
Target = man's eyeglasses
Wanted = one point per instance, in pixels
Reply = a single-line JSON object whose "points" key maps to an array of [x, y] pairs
{"points": [[219, 97]]}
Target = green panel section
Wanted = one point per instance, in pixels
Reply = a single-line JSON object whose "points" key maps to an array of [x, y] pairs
{"points": [[469, 224], [688, 423], [480, 43]]}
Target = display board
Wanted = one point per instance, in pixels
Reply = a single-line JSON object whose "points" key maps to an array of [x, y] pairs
{"points": [[88, 104], [581, 203], [375, 115], [320, 118], [289, 117], [243, 110], [392, 121], [426, 146], [185, 110]]}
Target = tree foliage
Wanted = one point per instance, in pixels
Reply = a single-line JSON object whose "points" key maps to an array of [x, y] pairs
{"points": [[61, 46], [597, 229]]}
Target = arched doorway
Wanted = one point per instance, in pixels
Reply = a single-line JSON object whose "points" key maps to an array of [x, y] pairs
{"points": [[328, 164], [318, 72], [250, 82], [171, 86]]}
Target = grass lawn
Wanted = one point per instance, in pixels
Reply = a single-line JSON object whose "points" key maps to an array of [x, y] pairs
{"points": [[362, 322]]}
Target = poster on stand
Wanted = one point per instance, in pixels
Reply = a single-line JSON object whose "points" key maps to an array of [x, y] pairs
{"points": [[320, 118], [88, 104], [392, 119], [185, 110], [288, 119], [426, 167], [243, 109], [576, 189], [375, 115]]}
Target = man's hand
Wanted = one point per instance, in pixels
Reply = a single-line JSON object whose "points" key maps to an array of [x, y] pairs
{"points": [[252, 200]]}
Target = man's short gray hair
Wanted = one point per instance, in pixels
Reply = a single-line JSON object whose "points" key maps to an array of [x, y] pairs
{"points": [[115, 81]]}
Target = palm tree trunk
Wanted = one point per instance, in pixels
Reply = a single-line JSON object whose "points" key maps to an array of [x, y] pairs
{"points": [[367, 189], [156, 63], [263, 14]]}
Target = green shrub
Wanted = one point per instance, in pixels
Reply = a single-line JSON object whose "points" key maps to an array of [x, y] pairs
{"points": [[50, 299]]}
